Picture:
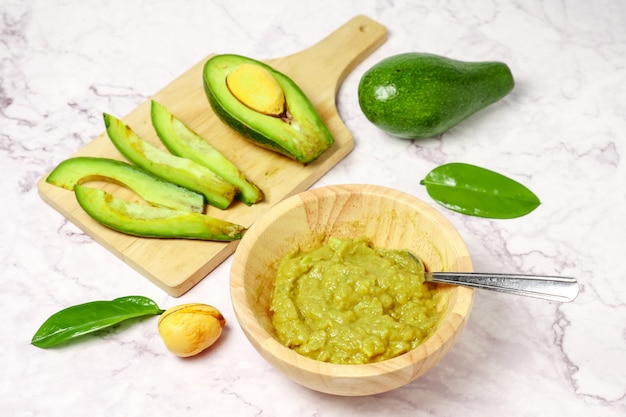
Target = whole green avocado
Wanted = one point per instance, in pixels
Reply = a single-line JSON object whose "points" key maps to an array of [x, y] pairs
{"points": [[419, 95]]}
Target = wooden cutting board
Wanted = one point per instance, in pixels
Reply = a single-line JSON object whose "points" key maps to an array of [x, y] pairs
{"points": [[177, 265]]}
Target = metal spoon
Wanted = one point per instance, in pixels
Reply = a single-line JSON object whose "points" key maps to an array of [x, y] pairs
{"points": [[553, 288]]}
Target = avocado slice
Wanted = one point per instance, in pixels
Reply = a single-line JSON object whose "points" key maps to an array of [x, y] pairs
{"points": [[172, 168], [182, 141], [418, 95], [297, 132], [156, 222], [79, 170]]}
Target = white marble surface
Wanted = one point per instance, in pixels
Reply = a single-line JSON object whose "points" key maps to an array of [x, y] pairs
{"points": [[561, 132]]}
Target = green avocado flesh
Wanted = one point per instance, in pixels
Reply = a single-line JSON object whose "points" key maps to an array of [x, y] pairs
{"points": [[182, 141], [418, 95], [146, 221], [79, 170], [299, 133], [181, 171]]}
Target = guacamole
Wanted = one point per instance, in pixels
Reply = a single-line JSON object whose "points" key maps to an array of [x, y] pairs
{"points": [[348, 302]]}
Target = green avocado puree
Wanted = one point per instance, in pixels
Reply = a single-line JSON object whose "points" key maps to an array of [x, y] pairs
{"points": [[348, 302]]}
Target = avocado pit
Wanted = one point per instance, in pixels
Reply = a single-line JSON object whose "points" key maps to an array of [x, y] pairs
{"points": [[257, 89]]}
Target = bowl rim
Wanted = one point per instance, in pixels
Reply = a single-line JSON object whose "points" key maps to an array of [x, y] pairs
{"points": [[269, 347]]}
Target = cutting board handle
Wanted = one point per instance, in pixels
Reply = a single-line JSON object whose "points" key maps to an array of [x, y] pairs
{"points": [[330, 60]]}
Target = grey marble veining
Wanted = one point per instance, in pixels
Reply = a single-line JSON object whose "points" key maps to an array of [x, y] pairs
{"points": [[561, 132]]}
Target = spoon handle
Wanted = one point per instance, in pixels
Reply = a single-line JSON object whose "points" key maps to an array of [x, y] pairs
{"points": [[554, 288]]}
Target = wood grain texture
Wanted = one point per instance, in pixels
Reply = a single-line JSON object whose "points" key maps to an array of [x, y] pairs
{"points": [[390, 219], [177, 265]]}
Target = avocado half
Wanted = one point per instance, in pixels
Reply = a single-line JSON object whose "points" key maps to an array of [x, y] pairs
{"points": [[299, 133]]}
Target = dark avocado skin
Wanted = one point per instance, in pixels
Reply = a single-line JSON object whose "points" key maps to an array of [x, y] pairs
{"points": [[418, 95]]}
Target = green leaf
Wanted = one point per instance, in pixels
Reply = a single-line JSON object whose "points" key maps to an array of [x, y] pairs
{"points": [[82, 319], [477, 191]]}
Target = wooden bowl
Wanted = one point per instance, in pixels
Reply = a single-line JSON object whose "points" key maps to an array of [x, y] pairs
{"points": [[391, 219]]}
